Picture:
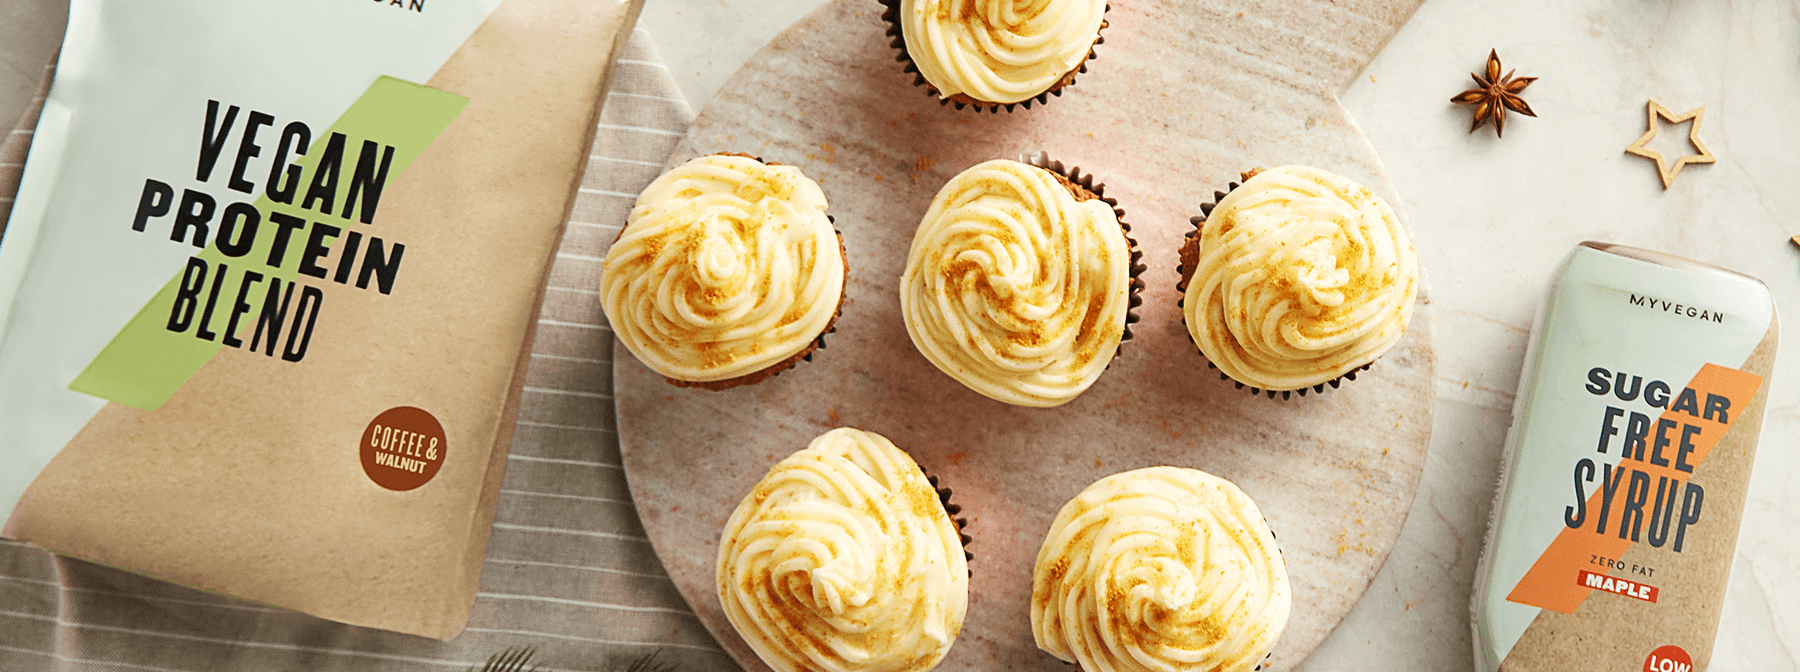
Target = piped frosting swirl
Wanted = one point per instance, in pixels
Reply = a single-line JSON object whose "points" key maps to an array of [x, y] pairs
{"points": [[844, 559], [1014, 288], [1000, 51], [1164, 569], [726, 266], [1302, 276]]}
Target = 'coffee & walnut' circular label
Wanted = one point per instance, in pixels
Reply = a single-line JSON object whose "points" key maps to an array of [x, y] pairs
{"points": [[402, 448]]}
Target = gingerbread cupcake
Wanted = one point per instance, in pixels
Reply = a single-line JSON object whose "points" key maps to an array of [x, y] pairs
{"points": [[1021, 281], [1164, 569], [1297, 279], [994, 54], [845, 558], [728, 271]]}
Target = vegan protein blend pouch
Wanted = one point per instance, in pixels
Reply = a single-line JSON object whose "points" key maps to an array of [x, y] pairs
{"points": [[1625, 472], [269, 282]]}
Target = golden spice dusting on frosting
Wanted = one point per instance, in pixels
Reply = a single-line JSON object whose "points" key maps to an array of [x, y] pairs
{"points": [[1303, 275], [1014, 288], [1164, 569], [726, 266], [1000, 51], [843, 559]]}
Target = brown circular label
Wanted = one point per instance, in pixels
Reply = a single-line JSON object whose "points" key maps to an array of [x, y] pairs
{"points": [[403, 448]]}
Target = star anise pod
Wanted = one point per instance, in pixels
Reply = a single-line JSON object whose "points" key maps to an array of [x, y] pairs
{"points": [[1494, 95]]}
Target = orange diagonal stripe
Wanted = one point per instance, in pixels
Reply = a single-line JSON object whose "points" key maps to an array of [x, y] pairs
{"points": [[1553, 581]]}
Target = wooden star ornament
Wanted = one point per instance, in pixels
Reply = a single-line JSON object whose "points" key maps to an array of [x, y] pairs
{"points": [[1663, 168], [1493, 95]]}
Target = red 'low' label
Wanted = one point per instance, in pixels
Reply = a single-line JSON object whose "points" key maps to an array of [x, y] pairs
{"points": [[1632, 589], [1669, 658]]}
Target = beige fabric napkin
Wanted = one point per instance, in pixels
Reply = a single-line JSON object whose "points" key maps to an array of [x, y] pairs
{"points": [[569, 571]]}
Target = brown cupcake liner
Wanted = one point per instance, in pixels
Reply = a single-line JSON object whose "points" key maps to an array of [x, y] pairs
{"points": [[954, 511], [897, 40], [1085, 188], [1190, 262], [805, 354]]}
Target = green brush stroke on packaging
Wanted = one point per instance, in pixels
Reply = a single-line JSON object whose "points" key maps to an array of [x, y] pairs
{"points": [[145, 363]]}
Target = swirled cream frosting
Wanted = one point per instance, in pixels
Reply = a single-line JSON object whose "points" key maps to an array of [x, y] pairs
{"points": [[1303, 275], [843, 559], [1014, 288], [1000, 51], [1164, 569], [726, 266]]}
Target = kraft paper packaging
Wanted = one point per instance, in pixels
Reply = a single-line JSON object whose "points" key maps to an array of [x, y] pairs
{"points": [[1627, 465], [269, 285]]}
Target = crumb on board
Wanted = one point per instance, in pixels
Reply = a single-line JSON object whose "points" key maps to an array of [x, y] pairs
{"points": [[920, 167]]}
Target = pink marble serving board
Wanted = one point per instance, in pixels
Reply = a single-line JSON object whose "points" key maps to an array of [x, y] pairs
{"points": [[1181, 97]]}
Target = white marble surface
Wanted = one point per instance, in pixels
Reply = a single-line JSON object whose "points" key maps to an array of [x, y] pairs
{"points": [[1493, 217]]}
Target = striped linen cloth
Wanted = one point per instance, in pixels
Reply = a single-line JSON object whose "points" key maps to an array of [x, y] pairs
{"points": [[569, 571], [13, 148]]}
